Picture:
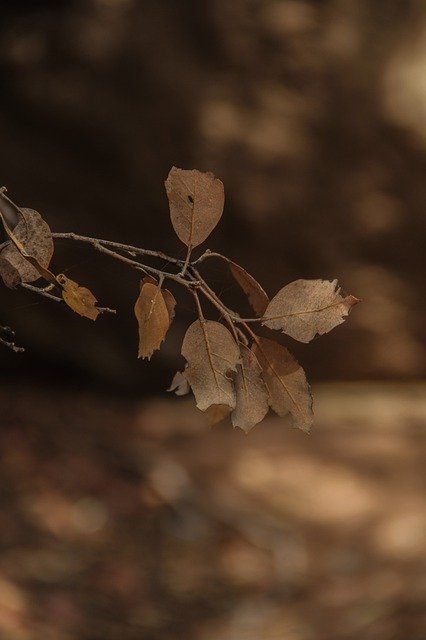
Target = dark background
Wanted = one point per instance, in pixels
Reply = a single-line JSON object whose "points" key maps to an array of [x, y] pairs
{"points": [[122, 516], [313, 115]]}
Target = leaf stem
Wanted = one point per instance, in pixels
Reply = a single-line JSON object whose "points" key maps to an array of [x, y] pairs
{"points": [[210, 254], [198, 305]]}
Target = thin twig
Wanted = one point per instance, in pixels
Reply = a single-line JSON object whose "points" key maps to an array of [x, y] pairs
{"points": [[232, 314], [41, 292], [186, 263], [99, 245], [11, 345], [118, 245], [198, 305], [216, 302]]}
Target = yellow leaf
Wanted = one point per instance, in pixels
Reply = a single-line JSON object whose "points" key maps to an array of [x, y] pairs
{"points": [[79, 299], [153, 319]]}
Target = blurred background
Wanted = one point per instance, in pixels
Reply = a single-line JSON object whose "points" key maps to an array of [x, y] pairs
{"points": [[123, 517]]}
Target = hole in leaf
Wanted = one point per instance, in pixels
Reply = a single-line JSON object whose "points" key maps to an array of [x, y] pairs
{"points": [[191, 199]]}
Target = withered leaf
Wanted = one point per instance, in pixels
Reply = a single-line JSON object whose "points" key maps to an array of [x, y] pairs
{"points": [[286, 382], [196, 202], [305, 308], [153, 319], [179, 384], [169, 298], [216, 413], [79, 299], [211, 354], [170, 301], [256, 295], [33, 234], [251, 392]]}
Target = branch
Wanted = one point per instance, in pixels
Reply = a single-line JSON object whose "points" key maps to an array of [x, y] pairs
{"points": [[102, 247], [133, 251], [8, 340]]}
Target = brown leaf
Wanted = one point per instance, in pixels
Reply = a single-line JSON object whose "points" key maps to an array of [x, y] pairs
{"points": [[305, 308], [286, 382], [79, 299], [169, 298], [256, 295], [179, 384], [211, 353], [251, 392], [216, 413], [33, 234], [170, 301], [153, 319], [196, 203]]}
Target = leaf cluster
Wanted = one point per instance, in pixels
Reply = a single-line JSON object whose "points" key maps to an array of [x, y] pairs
{"points": [[230, 369]]}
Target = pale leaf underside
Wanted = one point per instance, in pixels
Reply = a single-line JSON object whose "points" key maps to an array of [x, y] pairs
{"points": [[153, 319], [306, 308], [179, 384], [251, 392], [212, 354], [257, 297], [196, 202], [285, 379]]}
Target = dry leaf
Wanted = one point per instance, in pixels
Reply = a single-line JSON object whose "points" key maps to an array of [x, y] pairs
{"points": [[33, 234], [305, 308], [170, 301], [251, 392], [169, 298], [216, 413], [153, 319], [256, 295], [196, 203], [211, 353], [79, 299], [286, 382], [179, 384]]}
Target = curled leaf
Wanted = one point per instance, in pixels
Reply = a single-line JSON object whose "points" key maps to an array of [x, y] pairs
{"points": [[257, 297], [251, 392], [196, 202], [9, 210], [212, 354], [286, 382], [179, 384], [153, 319], [79, 299], [305, 308], [29, 253]]}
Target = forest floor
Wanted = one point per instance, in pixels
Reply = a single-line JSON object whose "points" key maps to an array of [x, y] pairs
{"points": [[135, 521]]}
